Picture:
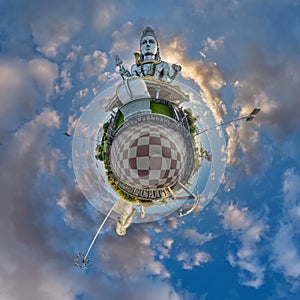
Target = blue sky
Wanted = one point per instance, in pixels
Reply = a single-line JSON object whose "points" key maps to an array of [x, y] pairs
{"points": [[55, 56]]}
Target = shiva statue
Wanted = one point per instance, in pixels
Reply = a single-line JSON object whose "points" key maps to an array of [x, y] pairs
{"points": [[148, 62]]}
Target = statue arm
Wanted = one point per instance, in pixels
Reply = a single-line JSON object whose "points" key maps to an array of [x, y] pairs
{"points": [[123, 72], [135, 71], [166, 71]]}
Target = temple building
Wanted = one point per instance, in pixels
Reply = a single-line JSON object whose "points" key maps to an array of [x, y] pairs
{"points": [[149, 150]]}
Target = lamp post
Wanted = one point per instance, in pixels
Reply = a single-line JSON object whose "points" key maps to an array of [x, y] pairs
{"points": [[82, 261], [248, 118]]}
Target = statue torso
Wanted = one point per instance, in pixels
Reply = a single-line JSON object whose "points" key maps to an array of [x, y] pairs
{"points": [[157, 71]]}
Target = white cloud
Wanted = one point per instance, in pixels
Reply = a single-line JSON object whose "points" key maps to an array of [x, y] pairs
{"points": [[206, 74], [66, 82], [72, 123], [108, 77], [24, 87], [191, 260], [50, 33], [286, 255], [76, 208], [48, 118], [206, 7], [285, 251], [291, 188], [165, 248], [157, 268], [210, 43], [232, 146], [125, 43], [172, 222], [272, 85], [94, 63], [79, 68], [249, 230], [104, 14], [44, 73], [168, 242], [150, 289], [53, 26], [196, 238], [30, 163], [82, 93], [235, 218], [116, 255]]}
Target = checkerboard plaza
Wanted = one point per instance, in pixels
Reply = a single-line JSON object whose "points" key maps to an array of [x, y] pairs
{"points": [[149, 155]]}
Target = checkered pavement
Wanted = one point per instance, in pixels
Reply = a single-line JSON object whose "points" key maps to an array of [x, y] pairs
{"points": [[148, 156]]}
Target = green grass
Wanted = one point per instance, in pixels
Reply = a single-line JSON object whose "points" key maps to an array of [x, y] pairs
{"points": [[104, 150], [120, 121], [158, 108]]}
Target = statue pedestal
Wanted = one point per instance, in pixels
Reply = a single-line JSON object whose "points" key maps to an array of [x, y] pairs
{"points": [[131, 89], [134, 96]]}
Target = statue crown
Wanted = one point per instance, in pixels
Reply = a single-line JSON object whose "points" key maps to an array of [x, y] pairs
{"points": [[148, 31]]}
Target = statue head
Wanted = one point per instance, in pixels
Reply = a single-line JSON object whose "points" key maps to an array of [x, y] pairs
{"points": [[149, 43]]}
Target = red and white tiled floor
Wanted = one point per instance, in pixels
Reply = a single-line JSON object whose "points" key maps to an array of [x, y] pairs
{"points": [[148, 156]]}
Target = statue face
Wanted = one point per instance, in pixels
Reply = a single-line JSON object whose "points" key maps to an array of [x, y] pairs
{"points": [[148, 45]]}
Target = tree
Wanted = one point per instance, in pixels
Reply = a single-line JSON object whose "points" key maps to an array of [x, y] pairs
{"points": [[105, 126]]}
